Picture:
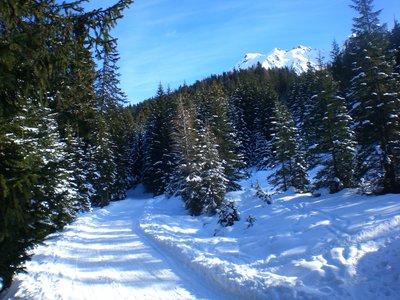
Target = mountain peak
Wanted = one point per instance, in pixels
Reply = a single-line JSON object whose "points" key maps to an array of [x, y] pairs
{"points": [[298, 59]]}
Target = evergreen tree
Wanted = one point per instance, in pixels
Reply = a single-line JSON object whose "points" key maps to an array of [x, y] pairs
{"points": [[375, 100], [137, 156], [76, 162], [122, 131], [54, 193], [288, 158], [72, 93], [251, 110], [19, 173], [46, 75], [206, 185], [264, 110], [335, 145], [185, 139], [394, 45], [241, 114], [102, 167], [214, 110], [159, 162]]}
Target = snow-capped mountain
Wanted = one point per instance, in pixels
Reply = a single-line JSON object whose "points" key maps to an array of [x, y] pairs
{"points": [[297, 59]]}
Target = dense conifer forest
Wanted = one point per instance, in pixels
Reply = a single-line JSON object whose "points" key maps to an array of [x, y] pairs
{"points": [[68, 142], [64, 133]]}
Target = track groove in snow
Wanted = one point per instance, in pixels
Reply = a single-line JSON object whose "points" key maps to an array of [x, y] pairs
{"points": [[104, 255], [338, 246]]}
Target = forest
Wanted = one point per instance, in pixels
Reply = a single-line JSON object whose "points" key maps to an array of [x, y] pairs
{"points": [[70, 142]]}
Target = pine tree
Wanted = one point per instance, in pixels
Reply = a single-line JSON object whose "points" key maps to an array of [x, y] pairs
{"points": [[288, 158], [102, 165], [264, 109], [55, 194], [251, 106], [159, 162], [18, 176], [335, 145], [37, 193], [122, 131], [72, 93], [77, 164], [394, 45], [136, 156], [213, 109], [185, 137], [46, 83], [241, 115], [375, 100], [206, 185]]}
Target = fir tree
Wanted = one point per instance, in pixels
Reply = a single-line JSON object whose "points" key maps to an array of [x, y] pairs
{"points": [[159, 162], [137, 155], [122, 131], [288, 158], [185, 139], [241, 114], [394, 45], [335, 145], [206, 185], [102, 167], [376, 105], [77, 163], [46, 85], [264, 109], [214, 110]]}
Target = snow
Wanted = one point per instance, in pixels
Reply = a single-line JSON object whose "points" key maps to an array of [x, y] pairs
{"points": [[104, 255], [337, 246], [296, 59]]}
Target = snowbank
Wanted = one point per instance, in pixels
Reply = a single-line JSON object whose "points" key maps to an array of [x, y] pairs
{"points": [[340, 246]]}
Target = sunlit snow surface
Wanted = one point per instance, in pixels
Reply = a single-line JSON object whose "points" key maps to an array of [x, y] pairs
{"points": [[340, 246], [104, 255]]}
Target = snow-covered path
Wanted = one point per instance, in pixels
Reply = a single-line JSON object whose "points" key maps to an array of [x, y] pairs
{"points": [[104, 255], [336, 246]]}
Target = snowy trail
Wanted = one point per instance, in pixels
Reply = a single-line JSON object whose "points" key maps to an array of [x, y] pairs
{"points": [[104, 255]]}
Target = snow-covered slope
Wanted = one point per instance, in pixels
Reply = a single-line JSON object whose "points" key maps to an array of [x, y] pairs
{"points": [[339, 246], [297, 59]]}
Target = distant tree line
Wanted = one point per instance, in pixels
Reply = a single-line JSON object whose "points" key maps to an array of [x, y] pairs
{"points": [[342, 117]]}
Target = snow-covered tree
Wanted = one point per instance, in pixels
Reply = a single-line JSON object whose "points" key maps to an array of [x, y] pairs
{"points": [[77, 164], [205, 187], [287, 156], [264, 110], [159, 161], [394, 45], [241, 114], [102, 167], [335, 144], [375, 101], [213, 109], [185, 138]]}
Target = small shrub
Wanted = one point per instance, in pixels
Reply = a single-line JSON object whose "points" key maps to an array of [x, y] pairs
{"points": [[261, 194], [228, 214], [250, 221]]}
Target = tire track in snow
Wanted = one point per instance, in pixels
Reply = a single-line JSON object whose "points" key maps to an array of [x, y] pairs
{"points": [[104, 255]]}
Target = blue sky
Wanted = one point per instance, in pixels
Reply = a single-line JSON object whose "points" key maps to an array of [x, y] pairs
{"points": [[173, 41]]}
